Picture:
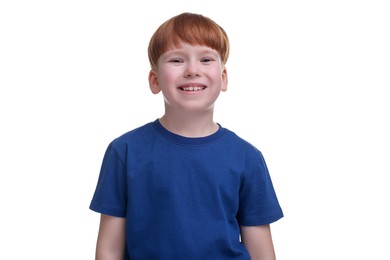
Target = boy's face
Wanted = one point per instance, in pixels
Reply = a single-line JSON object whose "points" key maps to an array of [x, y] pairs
{"points": [[190, 77]]}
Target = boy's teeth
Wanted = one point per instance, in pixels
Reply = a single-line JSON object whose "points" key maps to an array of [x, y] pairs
{"points": [[192, 88]]}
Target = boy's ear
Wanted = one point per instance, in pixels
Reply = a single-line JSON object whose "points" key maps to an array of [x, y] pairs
{"points": [[224, 79], [153, 82]]}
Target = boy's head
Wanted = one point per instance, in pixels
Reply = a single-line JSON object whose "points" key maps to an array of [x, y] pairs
{"points": [[190, 28]]}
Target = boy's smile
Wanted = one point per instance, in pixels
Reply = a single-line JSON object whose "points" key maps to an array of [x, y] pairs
{"points": [[190, 77], [192, 87]]}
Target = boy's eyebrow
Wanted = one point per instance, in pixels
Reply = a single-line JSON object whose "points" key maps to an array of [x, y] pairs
{"points": [[175, 51], [180, 51], [212, 52]]}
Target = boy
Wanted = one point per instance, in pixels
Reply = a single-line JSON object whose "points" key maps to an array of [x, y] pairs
{"points": [[182, 186]]}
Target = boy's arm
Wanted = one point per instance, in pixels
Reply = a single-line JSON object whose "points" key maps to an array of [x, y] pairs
{"points": [[258, 241], [111, 238]]}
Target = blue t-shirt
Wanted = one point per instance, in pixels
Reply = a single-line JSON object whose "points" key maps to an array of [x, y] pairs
{"points": [[185, 198]]}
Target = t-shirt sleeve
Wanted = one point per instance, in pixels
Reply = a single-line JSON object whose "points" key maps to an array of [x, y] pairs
{"points": [[259, 204], [110, 193]]}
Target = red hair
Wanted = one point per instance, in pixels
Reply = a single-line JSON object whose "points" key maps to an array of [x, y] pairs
{"points": [[190, 28]]}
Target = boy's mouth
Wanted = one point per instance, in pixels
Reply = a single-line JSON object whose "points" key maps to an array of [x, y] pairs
{"points": [[190, 88]]}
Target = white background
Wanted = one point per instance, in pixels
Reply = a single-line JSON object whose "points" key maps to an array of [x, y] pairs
{"points": [[308, 85]]}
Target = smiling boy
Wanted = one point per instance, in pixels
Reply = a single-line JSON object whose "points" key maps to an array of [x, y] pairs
{"points": [[182, 186]]}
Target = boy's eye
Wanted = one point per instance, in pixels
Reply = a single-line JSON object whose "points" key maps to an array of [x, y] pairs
{"points": [[176, 60], [206, 60]]}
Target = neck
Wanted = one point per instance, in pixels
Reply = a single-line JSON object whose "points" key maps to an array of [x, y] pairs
{"points": [[193, 125]]}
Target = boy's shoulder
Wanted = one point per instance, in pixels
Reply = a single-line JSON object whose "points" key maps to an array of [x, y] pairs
{"points": [[136, 134], [240, 141]]}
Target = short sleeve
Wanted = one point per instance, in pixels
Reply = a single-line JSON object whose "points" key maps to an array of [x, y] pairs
{"points": [[110, 193], [259, 204]]}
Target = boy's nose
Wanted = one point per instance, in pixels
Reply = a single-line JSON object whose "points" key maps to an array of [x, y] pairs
{"points": [[191, 71]]}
